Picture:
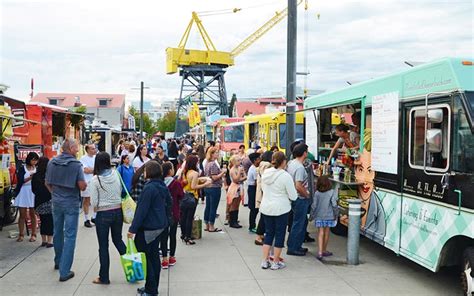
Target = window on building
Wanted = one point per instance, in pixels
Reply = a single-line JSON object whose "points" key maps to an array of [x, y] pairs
{"points": [[103, 102], [53, 101], [436, 135]]}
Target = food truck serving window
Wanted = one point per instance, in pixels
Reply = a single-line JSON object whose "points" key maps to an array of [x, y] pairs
{"points": [[299, 133], [437, 137], [234, 134]]}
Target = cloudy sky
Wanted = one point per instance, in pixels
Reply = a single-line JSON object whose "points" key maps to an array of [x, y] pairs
{"points": [[110, 46]]}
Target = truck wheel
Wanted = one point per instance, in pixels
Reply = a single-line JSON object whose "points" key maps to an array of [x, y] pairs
{"points": [[466, 275], [340, 229], [10, 211]]}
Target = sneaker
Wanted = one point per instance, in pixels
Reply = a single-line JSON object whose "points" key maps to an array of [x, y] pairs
{"points": [[67, 277], [88, 224], [93, 220], [277, 265], [141, 290], [309, 239], [172, 261], [265, 264], [164, 264], [253, 230]]}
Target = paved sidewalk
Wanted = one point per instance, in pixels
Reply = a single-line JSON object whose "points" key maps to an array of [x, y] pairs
{"points": [[225, 263]]}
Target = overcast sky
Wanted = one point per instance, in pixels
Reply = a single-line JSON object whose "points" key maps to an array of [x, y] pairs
{"points": [[110, 46]]}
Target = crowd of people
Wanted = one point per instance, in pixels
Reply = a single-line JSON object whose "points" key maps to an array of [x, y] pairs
{"points": [[167, 179]]}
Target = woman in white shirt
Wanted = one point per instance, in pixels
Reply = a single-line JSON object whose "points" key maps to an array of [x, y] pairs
{"points": [[278, 192], [141, 157]]}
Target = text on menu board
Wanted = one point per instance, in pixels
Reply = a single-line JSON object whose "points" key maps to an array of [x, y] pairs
{"points": [[385, 133]]}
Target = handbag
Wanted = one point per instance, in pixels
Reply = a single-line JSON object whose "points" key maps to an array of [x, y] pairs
{"points": [[128, 204], [133, 263], [188, 201], [197, 228]]}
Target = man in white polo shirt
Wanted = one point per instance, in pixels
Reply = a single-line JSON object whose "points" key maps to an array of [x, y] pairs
{"points": [[88, 166]]}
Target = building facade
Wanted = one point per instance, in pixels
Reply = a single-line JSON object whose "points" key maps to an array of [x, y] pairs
{"points": [[108, 109]]}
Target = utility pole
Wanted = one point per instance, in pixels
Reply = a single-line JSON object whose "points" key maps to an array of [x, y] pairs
{"points": [[142, 87], [291, 75]]}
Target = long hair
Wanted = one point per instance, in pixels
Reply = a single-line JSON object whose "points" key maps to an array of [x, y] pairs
{"points": [[31, 156], [233, 159], [173, 149], [101, 163], [139, 153], [191, 163], [41, 168], [210, 151], [200, 152]]}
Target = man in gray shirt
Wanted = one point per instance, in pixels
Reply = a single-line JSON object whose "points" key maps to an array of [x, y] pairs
{"points": [[65, 180], [301, 205]]}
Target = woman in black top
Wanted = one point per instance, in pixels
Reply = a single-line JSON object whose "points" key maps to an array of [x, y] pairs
{"points": [[43, 202]]}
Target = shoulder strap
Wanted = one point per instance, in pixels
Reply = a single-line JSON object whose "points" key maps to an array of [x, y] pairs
{"points": [[123, 184]]}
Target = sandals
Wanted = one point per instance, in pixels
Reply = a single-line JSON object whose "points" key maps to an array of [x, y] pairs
{"points": [[32, 238], [215, 230], [20, 238], [99, 282]]}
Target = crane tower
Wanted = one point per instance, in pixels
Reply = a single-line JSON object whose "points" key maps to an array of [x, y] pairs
{"points": [[202, 71]]}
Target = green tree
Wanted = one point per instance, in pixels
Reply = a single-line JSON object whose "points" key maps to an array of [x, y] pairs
{"points": [[167, 123], [148, 124]]}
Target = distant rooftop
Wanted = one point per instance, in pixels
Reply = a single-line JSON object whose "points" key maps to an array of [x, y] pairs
{"points": [[68, 100]]}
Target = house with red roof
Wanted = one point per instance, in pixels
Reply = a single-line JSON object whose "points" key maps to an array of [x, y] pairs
{"points": [[106, 108], [262, 105]]}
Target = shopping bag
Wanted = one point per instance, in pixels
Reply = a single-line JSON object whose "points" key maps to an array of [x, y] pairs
{"points": [[128, 204], [133, 263], [197, 228], [128, 209]]}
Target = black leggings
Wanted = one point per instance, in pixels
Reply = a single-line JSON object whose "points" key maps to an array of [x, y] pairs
{"points": [[46, 227], [186, 220], [169, 233], [261, 225]]}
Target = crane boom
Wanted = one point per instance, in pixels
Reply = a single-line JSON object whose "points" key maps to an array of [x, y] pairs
{"points": [[279, 16]]}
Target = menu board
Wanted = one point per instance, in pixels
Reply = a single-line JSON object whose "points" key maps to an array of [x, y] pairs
{"points": [[311, 135], [385, 133]]}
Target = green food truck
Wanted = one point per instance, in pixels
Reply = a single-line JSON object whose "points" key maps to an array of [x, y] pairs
{"points": [[413, 168]]}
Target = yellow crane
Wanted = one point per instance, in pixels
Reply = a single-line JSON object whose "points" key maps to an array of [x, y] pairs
{"points": [[177, 57]]}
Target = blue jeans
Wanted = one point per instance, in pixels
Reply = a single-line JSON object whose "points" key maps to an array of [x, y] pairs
{"points": [[275, 227], [213, 195], [298, 229], [64, 239], [106, 221]]}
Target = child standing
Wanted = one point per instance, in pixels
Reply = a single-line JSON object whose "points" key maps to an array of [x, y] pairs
{"points": [[324, 210]]}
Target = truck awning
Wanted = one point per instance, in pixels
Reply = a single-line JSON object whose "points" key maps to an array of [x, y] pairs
{"points": [[18, 119]]}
